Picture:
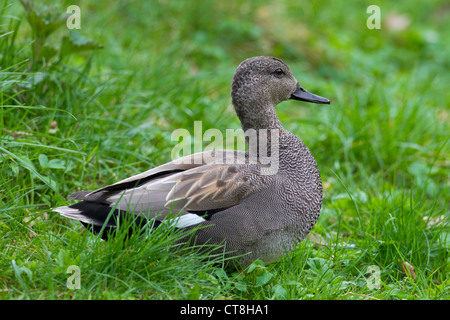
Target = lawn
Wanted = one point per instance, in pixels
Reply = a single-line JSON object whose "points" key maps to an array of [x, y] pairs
{"points": [[80, 109]]}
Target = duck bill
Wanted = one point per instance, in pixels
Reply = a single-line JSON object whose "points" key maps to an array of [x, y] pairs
{"points": [[303, 95]]}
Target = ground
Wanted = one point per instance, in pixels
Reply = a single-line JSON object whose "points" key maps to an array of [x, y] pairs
{"points": [[86, 107]]}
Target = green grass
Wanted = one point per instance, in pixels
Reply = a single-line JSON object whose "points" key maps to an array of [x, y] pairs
{"points": [[102, 104]]}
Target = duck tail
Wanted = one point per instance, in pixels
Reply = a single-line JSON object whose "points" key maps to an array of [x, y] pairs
{"points": [[100, 218]]}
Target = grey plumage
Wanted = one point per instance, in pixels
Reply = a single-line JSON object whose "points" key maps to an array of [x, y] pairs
{"points": [[259, 216]]}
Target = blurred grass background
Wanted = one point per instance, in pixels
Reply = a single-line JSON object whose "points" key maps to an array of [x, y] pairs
{"points": [[83, 109]]}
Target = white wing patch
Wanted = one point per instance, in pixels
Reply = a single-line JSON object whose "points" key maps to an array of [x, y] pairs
{"points": [[186, 220]]}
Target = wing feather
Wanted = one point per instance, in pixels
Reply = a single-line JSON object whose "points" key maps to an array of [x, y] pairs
{"points": [[185, 185]]}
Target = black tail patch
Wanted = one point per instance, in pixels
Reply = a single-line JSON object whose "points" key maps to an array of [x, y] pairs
{"points": [[106, 218]]}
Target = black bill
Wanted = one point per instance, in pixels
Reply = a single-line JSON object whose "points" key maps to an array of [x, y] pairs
{"points": [[303, 95]]}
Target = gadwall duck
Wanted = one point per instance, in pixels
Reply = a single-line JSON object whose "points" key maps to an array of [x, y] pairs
{"points": [[258, 210]]}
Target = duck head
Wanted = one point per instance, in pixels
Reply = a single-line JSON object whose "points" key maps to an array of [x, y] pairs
{"points": [[259, 84]]}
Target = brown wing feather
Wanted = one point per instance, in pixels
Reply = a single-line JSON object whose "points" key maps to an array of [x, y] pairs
{"points": [[182, 186], [216, 186]]}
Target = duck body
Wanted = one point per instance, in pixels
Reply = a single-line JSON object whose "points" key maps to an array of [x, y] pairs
{"points": [[273, 221], [255, 214]]}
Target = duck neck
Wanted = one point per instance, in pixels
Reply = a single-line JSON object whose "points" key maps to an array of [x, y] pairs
{"points": [[265, 117], [263, 130]]}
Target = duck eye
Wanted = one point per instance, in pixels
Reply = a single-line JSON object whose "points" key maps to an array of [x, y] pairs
{"points": [[279, 72]]}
